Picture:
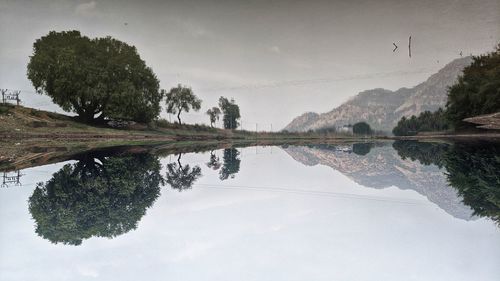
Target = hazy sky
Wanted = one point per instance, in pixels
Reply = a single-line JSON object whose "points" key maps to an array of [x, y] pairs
{"points": [[278, 59]]}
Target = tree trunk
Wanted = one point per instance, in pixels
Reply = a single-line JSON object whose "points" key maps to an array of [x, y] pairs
{"points": [[179, 117], [179, 160]]}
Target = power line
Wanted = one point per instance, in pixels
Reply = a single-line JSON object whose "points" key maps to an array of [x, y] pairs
{"points": [[302, 82], [312, 192]]}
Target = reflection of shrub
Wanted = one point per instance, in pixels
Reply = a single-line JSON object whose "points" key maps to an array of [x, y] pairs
{"points": [[102, 198], [362, 148]]}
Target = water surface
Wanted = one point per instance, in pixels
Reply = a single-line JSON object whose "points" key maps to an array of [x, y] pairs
{"points": [[382, 211]]}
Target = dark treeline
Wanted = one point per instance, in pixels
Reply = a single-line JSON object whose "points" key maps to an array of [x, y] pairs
{"points": [[471, 168], [425, 122], [476, 92]]}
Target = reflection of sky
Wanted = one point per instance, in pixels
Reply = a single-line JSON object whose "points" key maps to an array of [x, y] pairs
{"points": [[342, 231]]}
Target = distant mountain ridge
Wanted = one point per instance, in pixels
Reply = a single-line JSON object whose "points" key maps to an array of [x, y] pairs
{"points": [[383, 108]]}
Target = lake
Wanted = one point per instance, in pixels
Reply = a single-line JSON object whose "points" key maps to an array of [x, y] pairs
{"points": [[367, 211]]}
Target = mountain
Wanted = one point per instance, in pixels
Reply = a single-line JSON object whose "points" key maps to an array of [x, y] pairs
{"points": [[382, 168], [383, 108]]}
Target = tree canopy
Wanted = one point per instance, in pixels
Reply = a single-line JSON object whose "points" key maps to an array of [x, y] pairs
{"points": [[471, 168], [477, 91], [181, 177], [100, 195], [213, 114], [231, 113], [95, 78], [361, 128], [425, 122], [181, 98], [231, 164]]}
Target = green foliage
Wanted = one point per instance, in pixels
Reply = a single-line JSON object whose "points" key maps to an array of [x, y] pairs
{"points": [[471, 168], [182, 177], [213, 114], [361, 128], [231, 164], [181, 98], [326, 130], [426, 122], [214, 162], [362, 148], [231, 113], [474, 170], [426, 153], [101, 77], [477, 91], [104, 198], [5, 108]]}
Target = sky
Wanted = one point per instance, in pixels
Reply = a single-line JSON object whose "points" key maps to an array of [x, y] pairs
{"points": [[277, 59]]}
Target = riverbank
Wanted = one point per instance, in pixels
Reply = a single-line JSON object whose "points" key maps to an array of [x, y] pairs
{"points": [[30, 137]]}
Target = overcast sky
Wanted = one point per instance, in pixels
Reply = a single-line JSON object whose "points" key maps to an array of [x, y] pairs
{"points": [[278, 59]]}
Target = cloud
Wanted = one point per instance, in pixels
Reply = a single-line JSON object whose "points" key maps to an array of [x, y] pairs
{"points": [[275, 49], [85, 9]]}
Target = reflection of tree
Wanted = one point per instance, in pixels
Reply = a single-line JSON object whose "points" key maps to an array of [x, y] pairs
{"points": [[472, 169], [182, 177], [97, 196], [426, 153], [214, 162], [231, 164], [362, 148]]}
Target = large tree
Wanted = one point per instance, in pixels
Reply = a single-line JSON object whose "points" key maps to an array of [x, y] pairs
{"points": [[181, 98], [100, 195], [95, 78], [231, 113], [477, 91]]}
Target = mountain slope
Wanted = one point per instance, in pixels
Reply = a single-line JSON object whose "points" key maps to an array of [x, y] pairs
{"points": [[383, 108]]}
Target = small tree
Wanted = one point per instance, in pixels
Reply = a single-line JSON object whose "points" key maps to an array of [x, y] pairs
{"points": [[181, 98], [214, 114], [361, 128], [231, 113]]}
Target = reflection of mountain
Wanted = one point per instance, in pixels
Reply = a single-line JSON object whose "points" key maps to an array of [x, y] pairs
{"points": [[381, 168]]}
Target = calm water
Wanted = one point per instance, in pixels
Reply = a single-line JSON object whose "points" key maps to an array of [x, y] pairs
{"points": [[394, 211]]}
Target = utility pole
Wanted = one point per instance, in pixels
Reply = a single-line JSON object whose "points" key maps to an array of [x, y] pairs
{"points": [[3, 94], [409, 46], [16, 93]]}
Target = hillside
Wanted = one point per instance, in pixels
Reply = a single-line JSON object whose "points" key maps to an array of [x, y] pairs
{"points": [[382, 108]]}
